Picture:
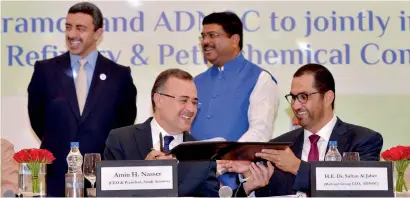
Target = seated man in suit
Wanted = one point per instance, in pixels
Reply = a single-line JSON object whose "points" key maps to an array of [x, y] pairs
{"points": [[174, 102], [312, 99], [9, 168]]}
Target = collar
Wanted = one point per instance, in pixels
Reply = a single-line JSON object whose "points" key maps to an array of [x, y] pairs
{"points": [[325, 132], [156, 129], [91, 59], [231, 66], [228, 63]]}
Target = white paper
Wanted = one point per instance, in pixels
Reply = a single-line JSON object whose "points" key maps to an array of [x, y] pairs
{"points": [[136, 178], [351, 178]]}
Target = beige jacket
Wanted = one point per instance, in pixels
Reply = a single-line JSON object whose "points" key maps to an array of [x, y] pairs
{"points": [[9, 168]]}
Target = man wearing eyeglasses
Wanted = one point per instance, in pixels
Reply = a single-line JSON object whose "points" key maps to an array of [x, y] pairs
{"points": [[174, 102], [239, 99], [312, 99]]}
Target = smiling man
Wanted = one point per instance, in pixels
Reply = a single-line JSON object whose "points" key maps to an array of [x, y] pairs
{"points": [[239, 99], [312, 98], [174, 102], [79, 96]]}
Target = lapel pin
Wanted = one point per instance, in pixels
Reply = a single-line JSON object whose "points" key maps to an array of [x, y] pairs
{"points": [[103, 76]]}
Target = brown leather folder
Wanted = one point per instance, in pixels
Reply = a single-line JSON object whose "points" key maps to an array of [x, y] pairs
{"points": [[223, 150]]}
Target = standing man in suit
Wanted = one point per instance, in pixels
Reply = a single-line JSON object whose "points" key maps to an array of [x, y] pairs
{"points": [[174, 102], [239, 99], [79, 96], [312, 99]]}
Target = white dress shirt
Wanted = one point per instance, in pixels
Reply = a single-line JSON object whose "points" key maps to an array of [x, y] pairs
{"points": [[156, 129], [264, 102], [324, 134]]}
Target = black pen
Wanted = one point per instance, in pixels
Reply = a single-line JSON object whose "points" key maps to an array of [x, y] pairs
{"points": [[161, 144]]}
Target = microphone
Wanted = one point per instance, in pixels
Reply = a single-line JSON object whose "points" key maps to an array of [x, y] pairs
{"points": [[225, 191], [9, 193]]}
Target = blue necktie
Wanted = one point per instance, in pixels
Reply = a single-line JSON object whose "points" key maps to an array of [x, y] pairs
{"points": [[229, 179], [167, 141]]}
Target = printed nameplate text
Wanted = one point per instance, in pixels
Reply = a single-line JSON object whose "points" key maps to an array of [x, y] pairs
{"points": [[136, 178], [351, 178]]}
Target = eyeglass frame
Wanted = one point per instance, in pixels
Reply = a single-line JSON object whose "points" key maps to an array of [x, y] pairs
{"points": [[294, 97], [211, 35], [182, 98]]}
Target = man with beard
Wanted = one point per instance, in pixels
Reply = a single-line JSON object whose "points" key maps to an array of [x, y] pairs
{"points": [[312, 99], [239, 99], [79, 96], [174, 102]]}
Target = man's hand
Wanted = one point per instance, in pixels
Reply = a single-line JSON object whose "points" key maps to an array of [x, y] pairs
{"points": [[283, 159], [158, 155], [260, 176], [237, 166]]}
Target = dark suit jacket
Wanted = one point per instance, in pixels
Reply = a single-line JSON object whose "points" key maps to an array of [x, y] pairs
{"points": [[195, 179], [349, 137], [55, 115]]}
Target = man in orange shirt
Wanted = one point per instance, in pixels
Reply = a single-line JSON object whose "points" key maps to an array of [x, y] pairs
{"points": [[9, 168]]}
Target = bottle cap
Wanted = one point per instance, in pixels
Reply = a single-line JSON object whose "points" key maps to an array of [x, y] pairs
{"points": [[332, 143], [75, 144]]}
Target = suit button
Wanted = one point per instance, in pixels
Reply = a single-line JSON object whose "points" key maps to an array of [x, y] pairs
{"points": [[214, 96], [208, 116]]}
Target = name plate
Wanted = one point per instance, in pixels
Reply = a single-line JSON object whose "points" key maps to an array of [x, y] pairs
{"points": [[137, 178], [349, 178]]}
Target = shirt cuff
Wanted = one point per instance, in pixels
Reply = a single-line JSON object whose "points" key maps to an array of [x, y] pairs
{"points": [[242, 180], [252, 194]]}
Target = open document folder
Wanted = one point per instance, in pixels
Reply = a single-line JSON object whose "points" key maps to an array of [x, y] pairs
{"points": [[223, 150]]}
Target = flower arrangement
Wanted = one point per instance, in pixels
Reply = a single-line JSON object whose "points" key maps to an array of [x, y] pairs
{"points": [[400, 155], [34, 158]]}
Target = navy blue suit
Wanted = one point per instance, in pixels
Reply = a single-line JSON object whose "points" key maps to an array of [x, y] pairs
{"points": [[195, 178], [349, 137], [55, 115]]}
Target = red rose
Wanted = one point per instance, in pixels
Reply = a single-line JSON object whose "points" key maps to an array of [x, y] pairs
{"points": [[47, 156], [40, 155], [34, 155], [17, 157], [386, 155], [22, 156], [397, 153], [25, 155], [407, 153]]}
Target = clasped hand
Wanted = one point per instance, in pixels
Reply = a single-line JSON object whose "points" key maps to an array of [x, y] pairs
{"points": [[257, 174]]}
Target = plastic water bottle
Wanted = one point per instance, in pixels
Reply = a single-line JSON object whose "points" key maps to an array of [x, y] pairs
{"points": [[333, 154], [75, 159], [74, 179]]}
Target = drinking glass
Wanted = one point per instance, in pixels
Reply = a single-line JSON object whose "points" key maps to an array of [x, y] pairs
{"points": [[351, 156], [90, 167]]}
